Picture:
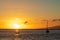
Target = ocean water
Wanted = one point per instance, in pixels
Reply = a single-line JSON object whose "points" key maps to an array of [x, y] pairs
{"points": [[29, 35]]}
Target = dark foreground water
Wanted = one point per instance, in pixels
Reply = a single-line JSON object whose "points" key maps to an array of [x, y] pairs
{"points": [[29, 35]]}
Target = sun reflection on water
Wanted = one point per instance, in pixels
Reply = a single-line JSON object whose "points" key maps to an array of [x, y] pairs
{"points": [[16, 34]]}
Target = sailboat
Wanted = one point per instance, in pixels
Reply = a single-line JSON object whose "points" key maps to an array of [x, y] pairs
{"points": [[47, 31]]}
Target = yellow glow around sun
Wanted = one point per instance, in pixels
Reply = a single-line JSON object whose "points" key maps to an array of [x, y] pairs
{"points": [[15, 23], [16, 26]]}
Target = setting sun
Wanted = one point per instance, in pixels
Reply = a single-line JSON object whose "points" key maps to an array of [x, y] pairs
{"points": [[15, 23], [16, 26]]}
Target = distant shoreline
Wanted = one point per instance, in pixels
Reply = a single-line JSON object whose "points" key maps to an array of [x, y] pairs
{"points": [[29, 29]]}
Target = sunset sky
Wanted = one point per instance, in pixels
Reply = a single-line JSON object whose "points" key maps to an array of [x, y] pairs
{"points": [[18, 11]]}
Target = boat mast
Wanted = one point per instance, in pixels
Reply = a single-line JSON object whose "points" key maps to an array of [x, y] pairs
{"points": [[47, 30]]}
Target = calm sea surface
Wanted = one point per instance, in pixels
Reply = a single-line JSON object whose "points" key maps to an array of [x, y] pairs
{"points": [[29, 35]]}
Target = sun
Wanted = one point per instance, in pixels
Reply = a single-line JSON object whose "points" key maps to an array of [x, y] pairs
{"points": [[16, 26], [16, 23]]}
